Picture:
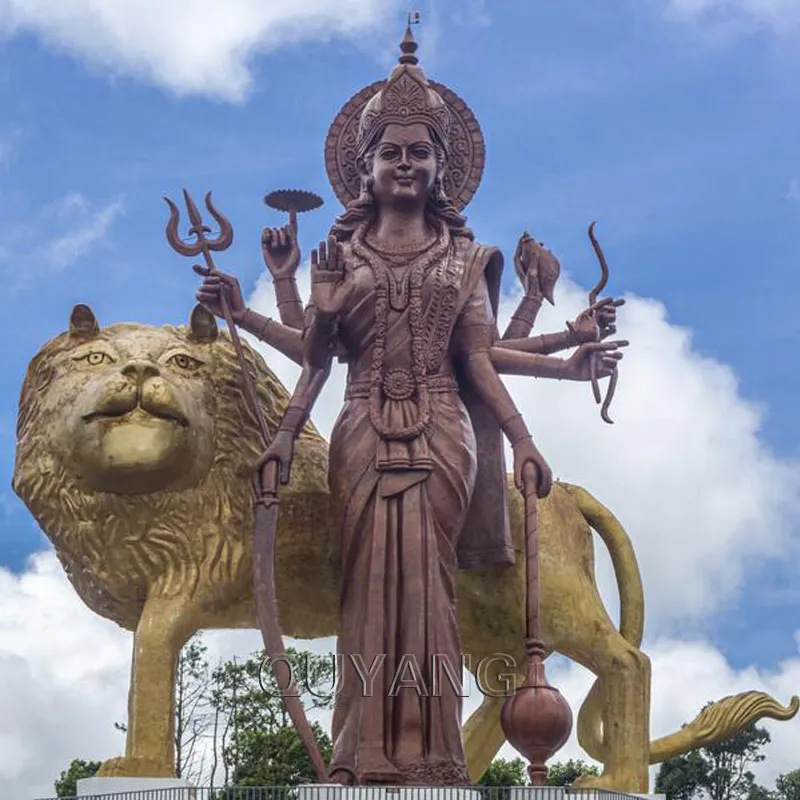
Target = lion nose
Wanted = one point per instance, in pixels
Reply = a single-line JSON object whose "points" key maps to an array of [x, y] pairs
{"points": [[140, 371]]}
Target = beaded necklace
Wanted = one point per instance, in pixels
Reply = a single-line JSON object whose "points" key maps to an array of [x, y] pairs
{"points": [[399, 384]]}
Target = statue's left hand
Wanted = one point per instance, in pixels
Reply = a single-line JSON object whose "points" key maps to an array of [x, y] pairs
{"points": [[597, 322], [280, 249], [525, 454], [579, 366], [536, 267]]}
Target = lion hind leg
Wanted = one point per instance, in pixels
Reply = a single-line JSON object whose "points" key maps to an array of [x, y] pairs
{"points": [[620, 698], [722, 720]]}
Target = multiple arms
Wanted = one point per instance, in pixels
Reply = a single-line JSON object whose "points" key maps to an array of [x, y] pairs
{"points": [[331, 287], [483, 357], [474, 337], [538, 271], [285, 340]]}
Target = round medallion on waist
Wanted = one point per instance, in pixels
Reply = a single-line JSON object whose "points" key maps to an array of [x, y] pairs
{"points": [[398, 384]]}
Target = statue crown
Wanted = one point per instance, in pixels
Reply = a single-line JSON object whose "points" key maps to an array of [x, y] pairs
{"points": [[406, 98]]}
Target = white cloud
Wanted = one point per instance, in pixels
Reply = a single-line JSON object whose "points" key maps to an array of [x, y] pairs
{"points": [[187, 46], [731, 16], [84, 227], [683, 468]]}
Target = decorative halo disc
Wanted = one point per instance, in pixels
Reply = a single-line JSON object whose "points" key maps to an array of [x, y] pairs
{"points": [[467, 147], [296, 200]]}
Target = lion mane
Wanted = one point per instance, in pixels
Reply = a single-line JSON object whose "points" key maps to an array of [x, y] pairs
{"points": [[118, 549]]}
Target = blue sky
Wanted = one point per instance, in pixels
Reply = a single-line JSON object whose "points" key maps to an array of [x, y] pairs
{"points": [[678, 130]]}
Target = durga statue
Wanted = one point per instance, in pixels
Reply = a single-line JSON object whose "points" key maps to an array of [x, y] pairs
{"points": [[404, 295]]}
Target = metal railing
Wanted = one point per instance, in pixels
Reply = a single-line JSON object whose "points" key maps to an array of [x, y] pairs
{"points": [[327, 792]]}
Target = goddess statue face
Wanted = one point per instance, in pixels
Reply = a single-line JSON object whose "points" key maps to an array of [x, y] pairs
{"points": [[404, 167]]}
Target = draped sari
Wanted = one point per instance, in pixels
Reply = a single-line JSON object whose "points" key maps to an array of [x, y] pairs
{"points": [[401, 509]]}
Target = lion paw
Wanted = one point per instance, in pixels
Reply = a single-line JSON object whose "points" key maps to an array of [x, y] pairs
{"points": [[132, 767]]}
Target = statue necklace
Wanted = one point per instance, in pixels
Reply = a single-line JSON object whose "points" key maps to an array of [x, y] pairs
{"points": [[399, 384], [400, 259]]}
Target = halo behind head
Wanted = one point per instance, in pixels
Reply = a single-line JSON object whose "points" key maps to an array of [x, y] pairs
{"points": [[407, 96]]}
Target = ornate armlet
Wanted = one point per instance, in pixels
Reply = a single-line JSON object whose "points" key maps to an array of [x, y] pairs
{"points": [[515, 429]]}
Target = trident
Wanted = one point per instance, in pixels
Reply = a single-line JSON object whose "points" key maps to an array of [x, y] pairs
{"points": [[267, 496], [205, 245]]}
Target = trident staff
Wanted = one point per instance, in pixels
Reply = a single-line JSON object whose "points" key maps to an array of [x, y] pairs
{"points": [[266, 480]]}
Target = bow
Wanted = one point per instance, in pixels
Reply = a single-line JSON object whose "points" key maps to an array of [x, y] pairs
{"points": [[593, 295]]}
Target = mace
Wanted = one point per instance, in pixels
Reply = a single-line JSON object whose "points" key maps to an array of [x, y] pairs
{"points": [[536, 719]]}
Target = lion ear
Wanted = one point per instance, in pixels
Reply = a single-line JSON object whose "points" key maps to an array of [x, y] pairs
{"points": [[203, 326], [82, 321]]}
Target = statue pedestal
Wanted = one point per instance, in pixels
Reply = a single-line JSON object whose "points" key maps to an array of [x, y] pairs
{"points": [[89, 787]]}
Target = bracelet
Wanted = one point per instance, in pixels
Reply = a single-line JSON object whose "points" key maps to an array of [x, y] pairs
{"points": [[286, 290], [515, 429], [293, 419], [529, 305], [252, 322], [572, 337]]}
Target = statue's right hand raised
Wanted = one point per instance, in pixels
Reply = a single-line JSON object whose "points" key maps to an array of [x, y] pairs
{"points": [[210, 293], [331, 282]]}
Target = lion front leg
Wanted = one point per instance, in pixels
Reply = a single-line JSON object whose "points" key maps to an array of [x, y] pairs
{"points": [[164, 628]]}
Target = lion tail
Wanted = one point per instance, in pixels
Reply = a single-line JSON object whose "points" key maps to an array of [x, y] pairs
{"points": [[623, 559], [720, 721]]}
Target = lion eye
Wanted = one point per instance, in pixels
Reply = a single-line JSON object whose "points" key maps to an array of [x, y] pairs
{"points": [[95, 359], [184, 362]]}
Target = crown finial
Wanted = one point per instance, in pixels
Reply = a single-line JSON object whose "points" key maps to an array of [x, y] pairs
{"points": [[408, 46]]}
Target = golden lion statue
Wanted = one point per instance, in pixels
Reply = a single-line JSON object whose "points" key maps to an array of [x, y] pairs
{"points": [[135, 453]]}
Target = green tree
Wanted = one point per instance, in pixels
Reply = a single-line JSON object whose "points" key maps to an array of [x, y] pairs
{"points": [[277, 757], [504, 773], [255, 742], [67, 784], [720, 771], [565, 773], [728, 776], [682, 777], [787, 787]]}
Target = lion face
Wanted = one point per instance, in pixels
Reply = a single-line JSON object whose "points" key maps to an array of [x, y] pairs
{"points": [[130, 406]]}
